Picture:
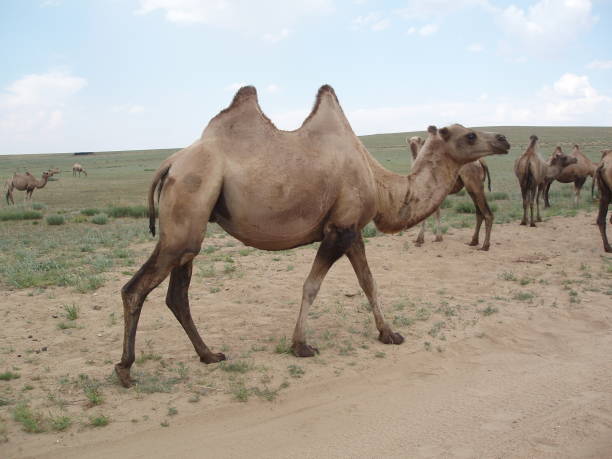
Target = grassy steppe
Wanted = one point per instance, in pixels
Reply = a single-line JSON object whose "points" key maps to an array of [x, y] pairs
{"points": [[80, 227]]}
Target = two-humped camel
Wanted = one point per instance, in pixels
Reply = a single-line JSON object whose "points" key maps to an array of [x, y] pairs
{"points": [[471, 176], [603, 175], [532, 172], [78, 168], [576, 173], [276, 190], [24, 182]]}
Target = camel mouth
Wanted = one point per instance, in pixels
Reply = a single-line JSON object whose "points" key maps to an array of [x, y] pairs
{"points": [[501, 150]]}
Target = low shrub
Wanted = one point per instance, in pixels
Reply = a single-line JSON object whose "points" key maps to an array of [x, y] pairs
{"points": [[100, 219], [127, 211], [90, 212], [55, 220], [19, 214]]}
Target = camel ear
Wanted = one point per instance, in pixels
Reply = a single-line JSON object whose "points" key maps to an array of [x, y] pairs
{"points": [[445, 133], [432, 130]]}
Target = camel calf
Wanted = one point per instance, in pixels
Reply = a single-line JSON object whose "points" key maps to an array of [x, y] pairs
{"points": [[471, 176], [532, 172], [576, 173], [603, 175]]}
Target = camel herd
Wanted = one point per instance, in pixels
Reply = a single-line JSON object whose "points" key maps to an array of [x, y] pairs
{"points": [[28, 183], [321, 185], [277, 190]]}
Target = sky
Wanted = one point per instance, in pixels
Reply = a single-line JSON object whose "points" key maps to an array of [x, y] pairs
{"points": [[98, 75]]}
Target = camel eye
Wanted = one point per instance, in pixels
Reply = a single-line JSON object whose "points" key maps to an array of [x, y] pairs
{"points": [[471, 136]]}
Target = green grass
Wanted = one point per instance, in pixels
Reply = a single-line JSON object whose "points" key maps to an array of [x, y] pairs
{"points": [[127, 211], [90, 212], [72, 311], [11, 214], [99, 421], [55, 220], [283, 346], [100, 219], [31, 421], [8, 375], [238, 366]]}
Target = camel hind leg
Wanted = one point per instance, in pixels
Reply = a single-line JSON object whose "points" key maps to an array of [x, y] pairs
{"points": [[438, 227], [604, 202], [178, 301], [578, 184], [483, 212], [421, 236]]}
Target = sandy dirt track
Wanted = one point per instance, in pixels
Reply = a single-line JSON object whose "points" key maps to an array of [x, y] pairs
{"points": [[531, 379]]}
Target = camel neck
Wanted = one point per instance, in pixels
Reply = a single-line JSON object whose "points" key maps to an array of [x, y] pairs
{"points": [[404, 201]]}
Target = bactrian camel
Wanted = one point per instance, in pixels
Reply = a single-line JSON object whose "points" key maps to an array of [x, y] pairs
{"points": [[275, 190], [576, 173], [532, 172], [78, 168], [24, 182], [603, 175], [472, 176]]}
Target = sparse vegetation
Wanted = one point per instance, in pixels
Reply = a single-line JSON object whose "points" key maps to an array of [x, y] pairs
{"points": [[55, 220]]}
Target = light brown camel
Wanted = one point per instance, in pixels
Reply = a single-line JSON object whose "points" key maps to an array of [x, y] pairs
{"points": [[576, 173], [603, 175], [276, 190], [24, 182], [472, 176], [532, 172], [78, 168]]}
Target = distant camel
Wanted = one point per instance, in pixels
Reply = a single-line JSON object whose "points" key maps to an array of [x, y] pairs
{"points": [[532, 172], [53, 171], [472, 176], [603, 175], [78, 168], [576, 173], [24, 182], [276, 190]]}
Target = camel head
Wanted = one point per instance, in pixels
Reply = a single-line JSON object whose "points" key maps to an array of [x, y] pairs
{"points": [[560, 159], [604, 153], [415, 144], [465, 145]]}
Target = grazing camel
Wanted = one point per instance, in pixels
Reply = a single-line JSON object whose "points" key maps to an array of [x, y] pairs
{"points": [[78, 168], [472, 176], [532, 171], [576, 173], [603, 175], [276, 190], [24, 182]]}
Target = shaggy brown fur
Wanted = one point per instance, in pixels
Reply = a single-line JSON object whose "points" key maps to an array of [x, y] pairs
{"points": [[471, 176], [275, 190], [24, 182], [576, 173], [603, 176], [532, 172]]}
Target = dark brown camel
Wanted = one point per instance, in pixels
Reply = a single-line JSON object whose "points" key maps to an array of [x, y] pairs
{"points": [[275, 190]]}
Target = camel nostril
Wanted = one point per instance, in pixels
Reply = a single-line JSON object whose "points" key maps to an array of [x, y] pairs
{"points": [[501, 138]]}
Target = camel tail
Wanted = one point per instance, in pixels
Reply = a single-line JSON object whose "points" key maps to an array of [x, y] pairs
{"points": [[487, 174], [158, 179]]}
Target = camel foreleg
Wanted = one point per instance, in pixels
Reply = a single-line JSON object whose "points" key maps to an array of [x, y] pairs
{"points": [[537, 199], [357, 256], [421, 236], [438, 227], [604, 201]]}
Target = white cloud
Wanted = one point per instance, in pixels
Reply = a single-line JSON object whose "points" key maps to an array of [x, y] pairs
{"points": [[374, 21], [475, 48], [276, 37], [411, 31], [132, 109], [47, 3], [272, 88], [428, 29], [252, 18], [545, 27], [600, 65], [424, 10], [36, 103]]}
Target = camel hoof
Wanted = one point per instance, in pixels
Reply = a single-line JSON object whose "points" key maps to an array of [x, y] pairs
{"points": [[485, 248], [213, 358], [303, 350], [124, 376], [389, 337], [533, 225], [524, 223], [608, 249], [472, 243], [438, 239], [418, 243]]}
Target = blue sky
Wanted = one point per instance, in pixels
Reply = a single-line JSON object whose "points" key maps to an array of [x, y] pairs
{"points": [[132, 74]]}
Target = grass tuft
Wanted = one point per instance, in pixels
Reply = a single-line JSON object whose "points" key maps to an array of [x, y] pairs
{"points": [[55, 220]]}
